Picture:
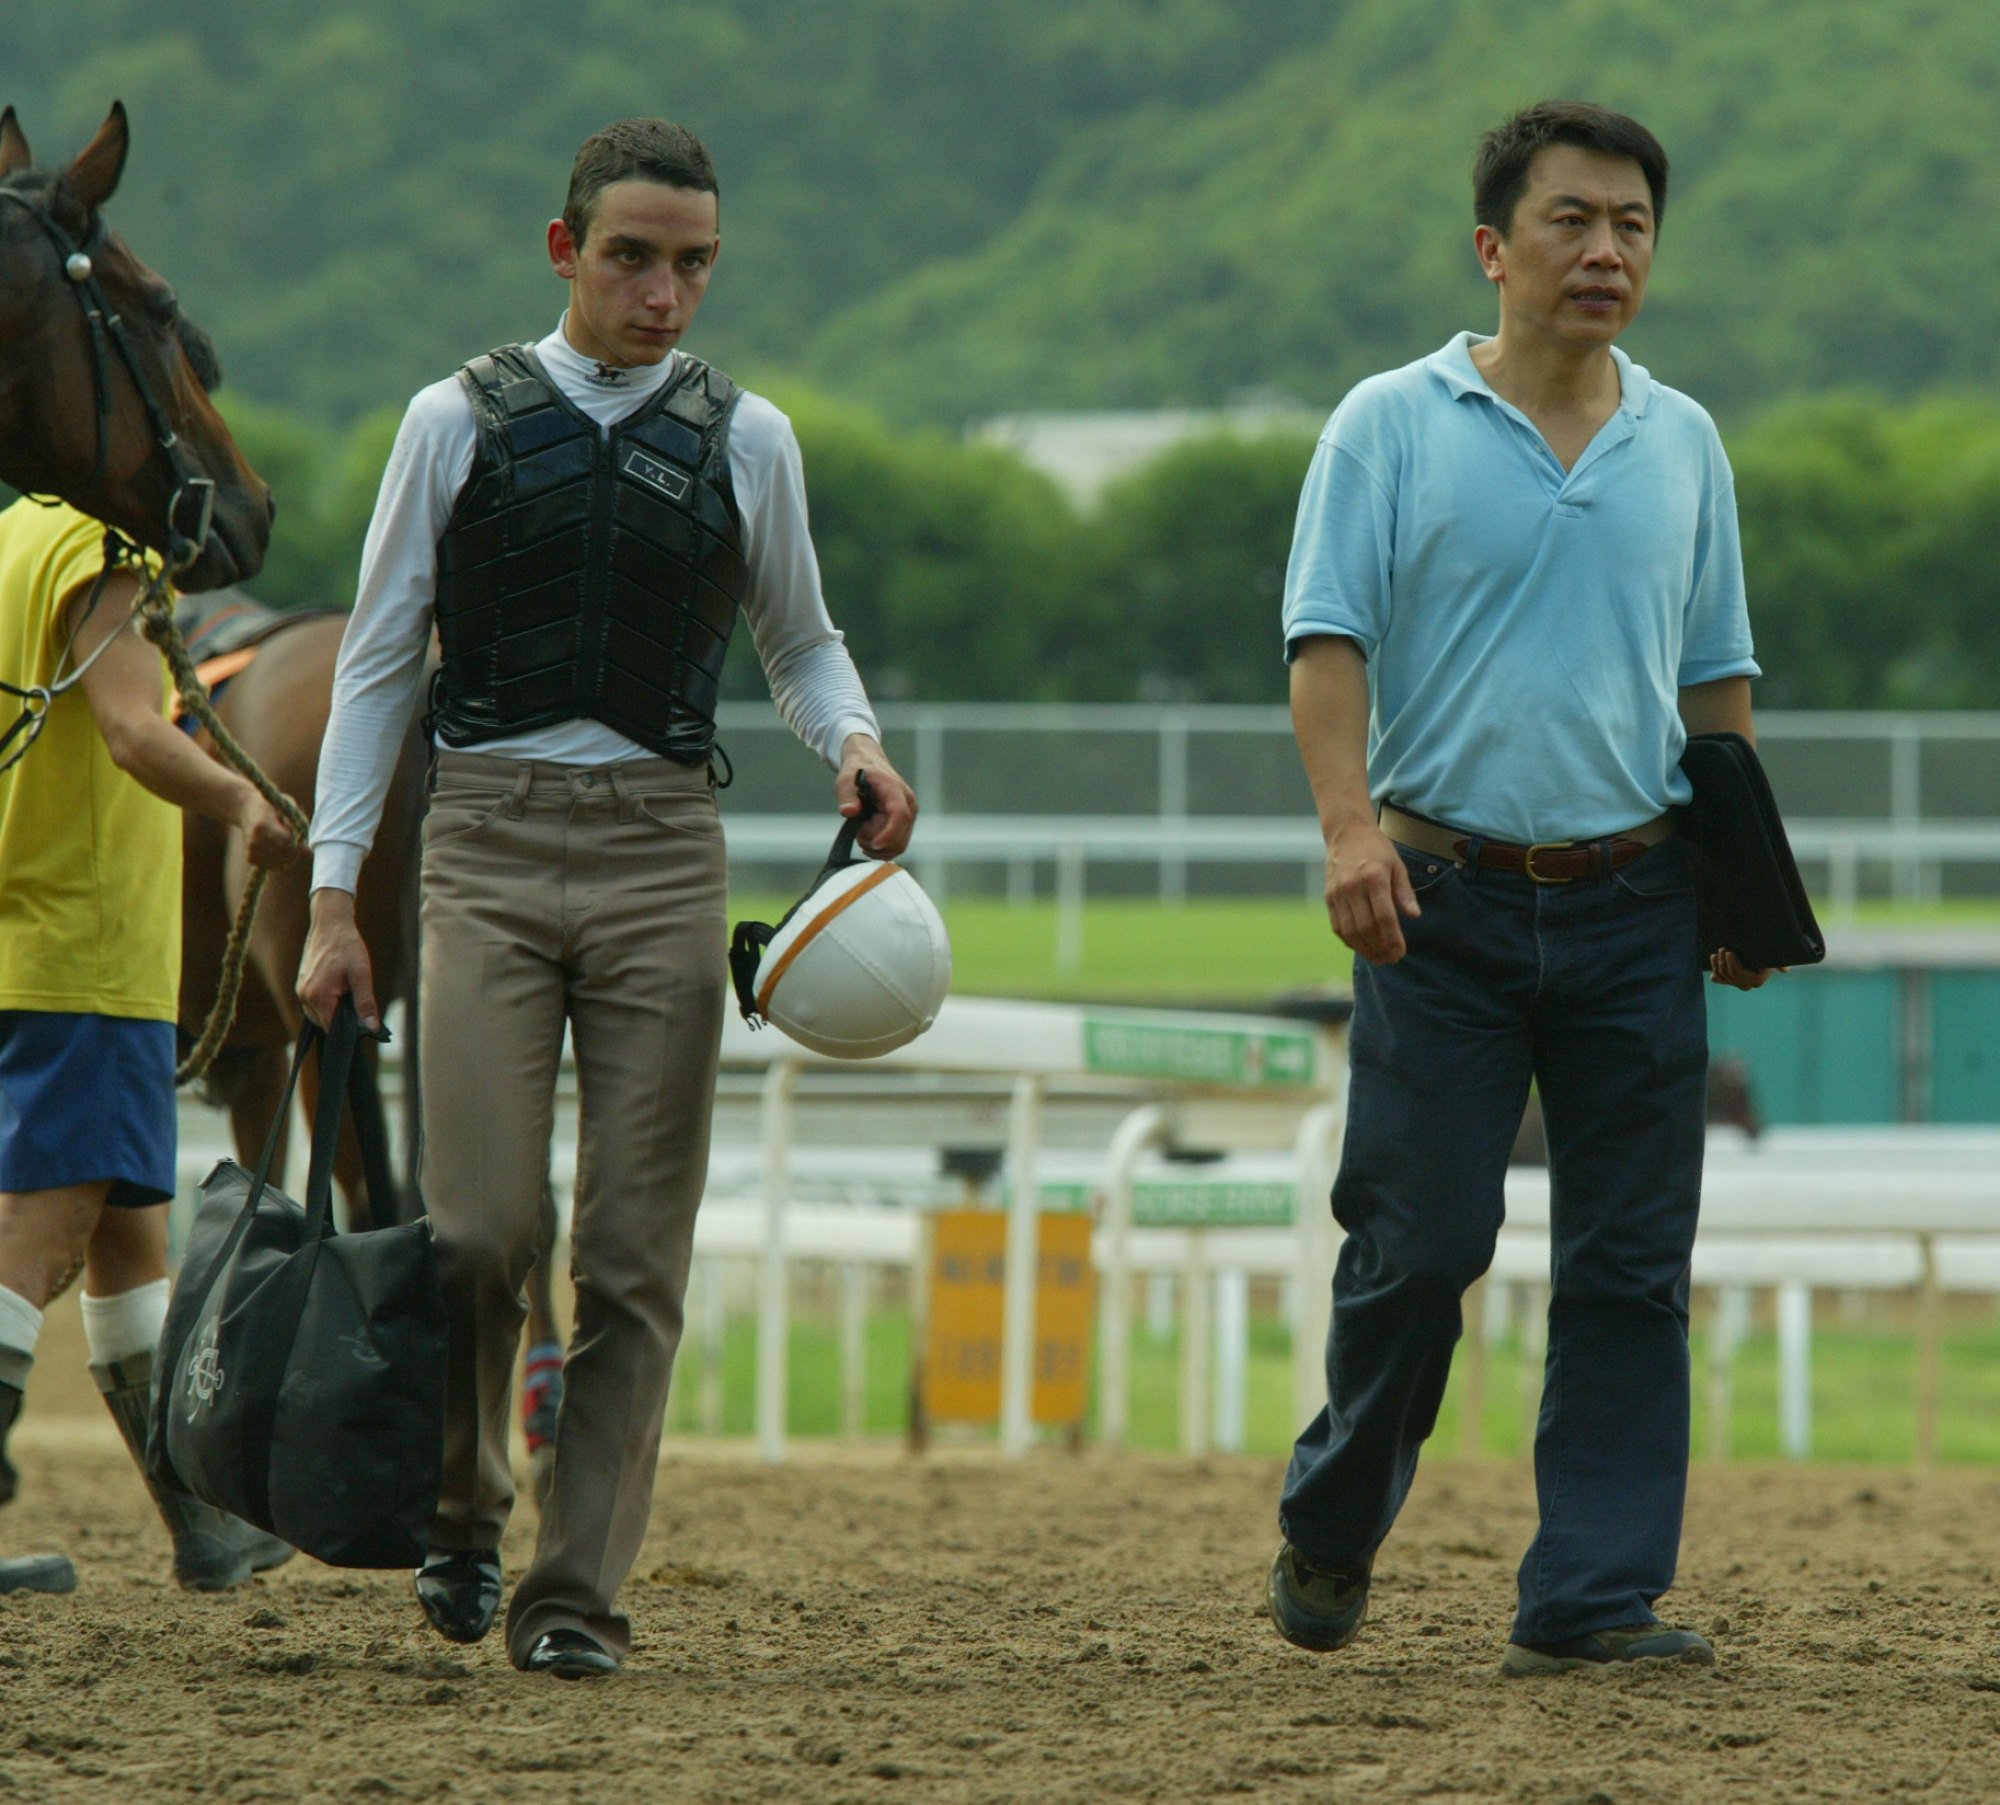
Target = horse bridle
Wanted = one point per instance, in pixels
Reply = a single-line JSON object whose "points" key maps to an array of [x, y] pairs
{"points": [[107, 333]]}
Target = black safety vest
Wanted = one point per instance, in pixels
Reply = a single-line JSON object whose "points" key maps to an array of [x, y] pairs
{"points": [[586, 572]]}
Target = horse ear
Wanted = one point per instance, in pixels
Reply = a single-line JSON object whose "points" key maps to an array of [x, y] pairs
{"points": [[93, 177], [14, 151]]}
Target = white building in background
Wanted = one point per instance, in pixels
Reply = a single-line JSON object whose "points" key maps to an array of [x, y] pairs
{"points": [[1085, 452]]}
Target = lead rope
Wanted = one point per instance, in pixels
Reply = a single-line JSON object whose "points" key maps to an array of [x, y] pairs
{"points": [[156, 612]]}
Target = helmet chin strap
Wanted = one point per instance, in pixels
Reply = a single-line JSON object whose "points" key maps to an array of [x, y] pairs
{"points": [[747, 943]]}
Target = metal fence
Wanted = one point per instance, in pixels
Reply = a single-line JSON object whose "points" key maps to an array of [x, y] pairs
{"points": [[1173, 801]]}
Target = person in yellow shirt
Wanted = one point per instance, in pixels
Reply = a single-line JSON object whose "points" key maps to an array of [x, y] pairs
{"points": [[90, 929]]}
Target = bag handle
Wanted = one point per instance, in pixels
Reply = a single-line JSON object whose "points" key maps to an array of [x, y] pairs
{"points": [[337, 1062], [339, 1075]]}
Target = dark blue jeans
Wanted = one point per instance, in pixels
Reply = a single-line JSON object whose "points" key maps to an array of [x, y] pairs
{"points": [[1593, 990]]}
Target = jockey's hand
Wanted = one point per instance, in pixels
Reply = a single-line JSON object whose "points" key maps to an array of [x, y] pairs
{"points": [[336, 963], [1367, 890], [1725, 968], [887, 831], [267, 835]]}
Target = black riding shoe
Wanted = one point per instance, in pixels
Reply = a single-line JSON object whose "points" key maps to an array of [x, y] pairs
{"points": [[1608, 1648], [213, 1551], [569, 1655], [10, 1408], [1320, 1608], [460, 1591]]}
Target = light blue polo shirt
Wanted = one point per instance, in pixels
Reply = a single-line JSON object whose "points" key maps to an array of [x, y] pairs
{"points": [[1527, 629]]}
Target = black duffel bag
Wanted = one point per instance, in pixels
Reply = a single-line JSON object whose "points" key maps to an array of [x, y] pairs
{"points": [[301, 1370]]}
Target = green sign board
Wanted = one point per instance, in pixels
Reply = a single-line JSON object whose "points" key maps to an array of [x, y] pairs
{"points": [[1191, 1203], [1124, 1048]]}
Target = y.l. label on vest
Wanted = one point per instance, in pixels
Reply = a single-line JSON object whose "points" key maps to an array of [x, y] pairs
{"points": [[656, 473]]}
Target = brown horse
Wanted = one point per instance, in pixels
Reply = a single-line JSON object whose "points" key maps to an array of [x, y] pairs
{"points": [[116, 421], [277, 709]]}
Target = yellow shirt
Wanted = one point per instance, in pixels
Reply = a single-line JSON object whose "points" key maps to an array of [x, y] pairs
{"points": [[90, 862]]}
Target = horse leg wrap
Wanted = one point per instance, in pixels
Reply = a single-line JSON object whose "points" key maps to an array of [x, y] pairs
{"points": [[212, 1550]]}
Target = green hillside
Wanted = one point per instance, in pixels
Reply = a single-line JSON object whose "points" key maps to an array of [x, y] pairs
{"points": [[352, 192], [944, 207], [1835, 216]]}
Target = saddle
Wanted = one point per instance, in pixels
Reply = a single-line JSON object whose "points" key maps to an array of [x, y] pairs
{"points": [[226, 628]]}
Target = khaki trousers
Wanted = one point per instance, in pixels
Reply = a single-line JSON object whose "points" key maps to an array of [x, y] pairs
{"points": [[594, 898]]}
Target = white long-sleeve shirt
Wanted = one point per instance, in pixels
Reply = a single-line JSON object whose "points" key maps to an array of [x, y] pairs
{"points": [[812, 677]]}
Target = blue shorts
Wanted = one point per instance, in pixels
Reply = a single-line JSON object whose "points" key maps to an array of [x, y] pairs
{"points": [[86, 1098]]}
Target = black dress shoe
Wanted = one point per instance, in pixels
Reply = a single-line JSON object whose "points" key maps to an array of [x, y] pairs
{"points": [[569, 1655], [460, 1591]]}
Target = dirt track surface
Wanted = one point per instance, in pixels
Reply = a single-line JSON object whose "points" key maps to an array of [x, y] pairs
{"points": [[859, 1627]]}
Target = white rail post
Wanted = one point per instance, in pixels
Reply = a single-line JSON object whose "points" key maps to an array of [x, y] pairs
{"points": [[1795, 1369], [1069, 906], [1930, 1348], [1732, 1323], [853, 1346], [773, 1278], [1232, 1358], [712, 1294], [1313, 1225], [1534, 1357], [1195, 1299], [1173, 803], [1017, 1330], [1134, 1135]]}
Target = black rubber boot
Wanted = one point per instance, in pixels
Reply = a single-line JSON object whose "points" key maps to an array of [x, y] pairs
{"points": [[212, 1550], [10, 1408]]}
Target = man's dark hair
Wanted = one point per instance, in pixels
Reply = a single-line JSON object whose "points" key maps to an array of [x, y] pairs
{"points": [[1500, 174], [653, 150]]}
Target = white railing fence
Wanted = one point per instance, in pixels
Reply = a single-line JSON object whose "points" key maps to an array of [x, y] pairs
{"points": [[1027, 800], [821, 1165]]}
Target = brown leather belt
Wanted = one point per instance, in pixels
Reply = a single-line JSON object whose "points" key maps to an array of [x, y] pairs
{"points": [[1547, 862]]}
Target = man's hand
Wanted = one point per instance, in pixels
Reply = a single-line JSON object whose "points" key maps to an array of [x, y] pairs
{"points": [[1366, 886], [887, 831], [1725, 968], [336, 963], [267, 834]]}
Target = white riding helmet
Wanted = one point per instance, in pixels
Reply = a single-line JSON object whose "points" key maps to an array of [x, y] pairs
{"points": [[858, 966]]}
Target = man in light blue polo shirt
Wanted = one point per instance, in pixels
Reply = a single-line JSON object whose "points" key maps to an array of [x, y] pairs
{"points": [[1515, 588]]}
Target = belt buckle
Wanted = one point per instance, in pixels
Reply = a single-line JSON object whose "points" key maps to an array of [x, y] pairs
{"points": [[1528, 859]]}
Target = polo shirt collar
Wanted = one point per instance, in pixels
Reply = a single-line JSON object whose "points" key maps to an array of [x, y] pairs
{"points": [[1453, 366]]}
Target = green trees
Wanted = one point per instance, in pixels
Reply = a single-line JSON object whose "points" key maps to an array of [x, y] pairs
{"points": [[1871, 539], [1870, 536]]}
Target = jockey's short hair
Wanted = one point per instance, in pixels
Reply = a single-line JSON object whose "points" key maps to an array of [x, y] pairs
{"points": [[653, 150]]}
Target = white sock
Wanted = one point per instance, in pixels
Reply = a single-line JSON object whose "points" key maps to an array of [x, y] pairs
{"points": [[125, 1323], [20, 1326]]}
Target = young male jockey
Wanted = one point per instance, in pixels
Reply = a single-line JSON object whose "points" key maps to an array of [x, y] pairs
{"points": [[582, 519], [1515, 588], [90, 961]]}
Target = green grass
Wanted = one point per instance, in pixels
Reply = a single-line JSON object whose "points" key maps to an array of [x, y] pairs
{"points": [[1862, 1389], [1235, 952], [1240, 952]]}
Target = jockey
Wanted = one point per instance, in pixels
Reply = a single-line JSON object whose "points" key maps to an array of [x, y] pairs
{"points": [[583, 520], [90, 958]]}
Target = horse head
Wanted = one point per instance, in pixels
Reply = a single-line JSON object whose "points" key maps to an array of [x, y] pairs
{"points": [[104, 384]]}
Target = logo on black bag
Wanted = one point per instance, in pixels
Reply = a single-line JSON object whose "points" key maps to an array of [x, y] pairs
{"points": [[204, 1380], [658, 474]]}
